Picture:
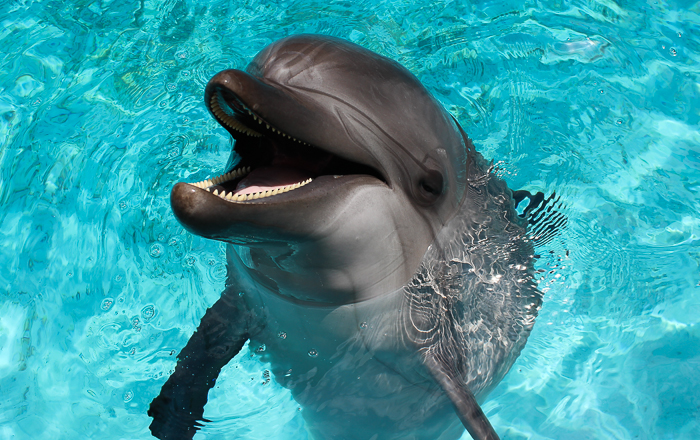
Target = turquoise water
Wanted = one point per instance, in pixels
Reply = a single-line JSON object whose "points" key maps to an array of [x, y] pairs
{"points": [[101, 113]]}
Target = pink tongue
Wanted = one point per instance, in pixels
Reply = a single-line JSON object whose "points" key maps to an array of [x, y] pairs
{"points": [[269, 178]]}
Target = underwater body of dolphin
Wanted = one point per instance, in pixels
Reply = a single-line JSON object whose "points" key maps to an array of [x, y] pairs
{"points": [[374, 256]]}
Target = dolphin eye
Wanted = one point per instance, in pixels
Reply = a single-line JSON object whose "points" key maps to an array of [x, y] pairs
{"points": [[431, 186]]}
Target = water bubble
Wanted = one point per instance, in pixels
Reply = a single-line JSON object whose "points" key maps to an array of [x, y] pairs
{"points": [[106, 304], [313, 353], [282, 335], [363, 325], [218, 272], [156, 250], [148, 312]]}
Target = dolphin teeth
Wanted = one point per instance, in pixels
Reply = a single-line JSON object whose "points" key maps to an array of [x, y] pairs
{"points": [[231, 197], [233, 174], [228, 120]]}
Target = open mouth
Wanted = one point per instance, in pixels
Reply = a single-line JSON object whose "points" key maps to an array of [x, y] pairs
{"points": [[272, 162]]}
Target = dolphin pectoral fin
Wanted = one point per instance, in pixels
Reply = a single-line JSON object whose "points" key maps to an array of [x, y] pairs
{"points": [[545, 216], [178, 410], [468, 410]]}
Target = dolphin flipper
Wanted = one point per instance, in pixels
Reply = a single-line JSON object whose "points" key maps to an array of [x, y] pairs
{"points": [[545, 216], [179, 408], [468, 410]]}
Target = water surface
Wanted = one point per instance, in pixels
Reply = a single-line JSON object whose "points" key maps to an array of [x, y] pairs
{"points": [[101, 113]]}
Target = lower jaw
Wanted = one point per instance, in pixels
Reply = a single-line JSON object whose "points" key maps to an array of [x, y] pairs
{"points": [[237, 186], [285, 218]]}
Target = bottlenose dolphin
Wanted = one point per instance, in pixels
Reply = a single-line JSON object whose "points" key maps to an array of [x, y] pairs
{"points": [[373, 256]]}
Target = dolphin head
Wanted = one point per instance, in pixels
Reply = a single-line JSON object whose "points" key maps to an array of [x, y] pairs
{"points": [[344, 170]]}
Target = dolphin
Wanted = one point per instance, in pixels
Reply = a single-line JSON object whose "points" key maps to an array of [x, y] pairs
{"points": [[374, 258]]}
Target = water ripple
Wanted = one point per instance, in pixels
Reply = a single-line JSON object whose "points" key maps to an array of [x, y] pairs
{"points": [[102, 112]]}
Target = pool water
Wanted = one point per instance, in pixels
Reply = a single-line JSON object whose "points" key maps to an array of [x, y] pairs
{"points": [[101, 113]]}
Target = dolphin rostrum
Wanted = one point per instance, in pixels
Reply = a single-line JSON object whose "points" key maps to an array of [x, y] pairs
{"points": [[371, 251]]}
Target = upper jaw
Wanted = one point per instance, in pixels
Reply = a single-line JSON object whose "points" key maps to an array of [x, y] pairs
{"points": [[253, 108]]}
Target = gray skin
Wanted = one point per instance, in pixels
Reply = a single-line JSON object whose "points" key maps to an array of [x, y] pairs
{"points": [[400, 277]]}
